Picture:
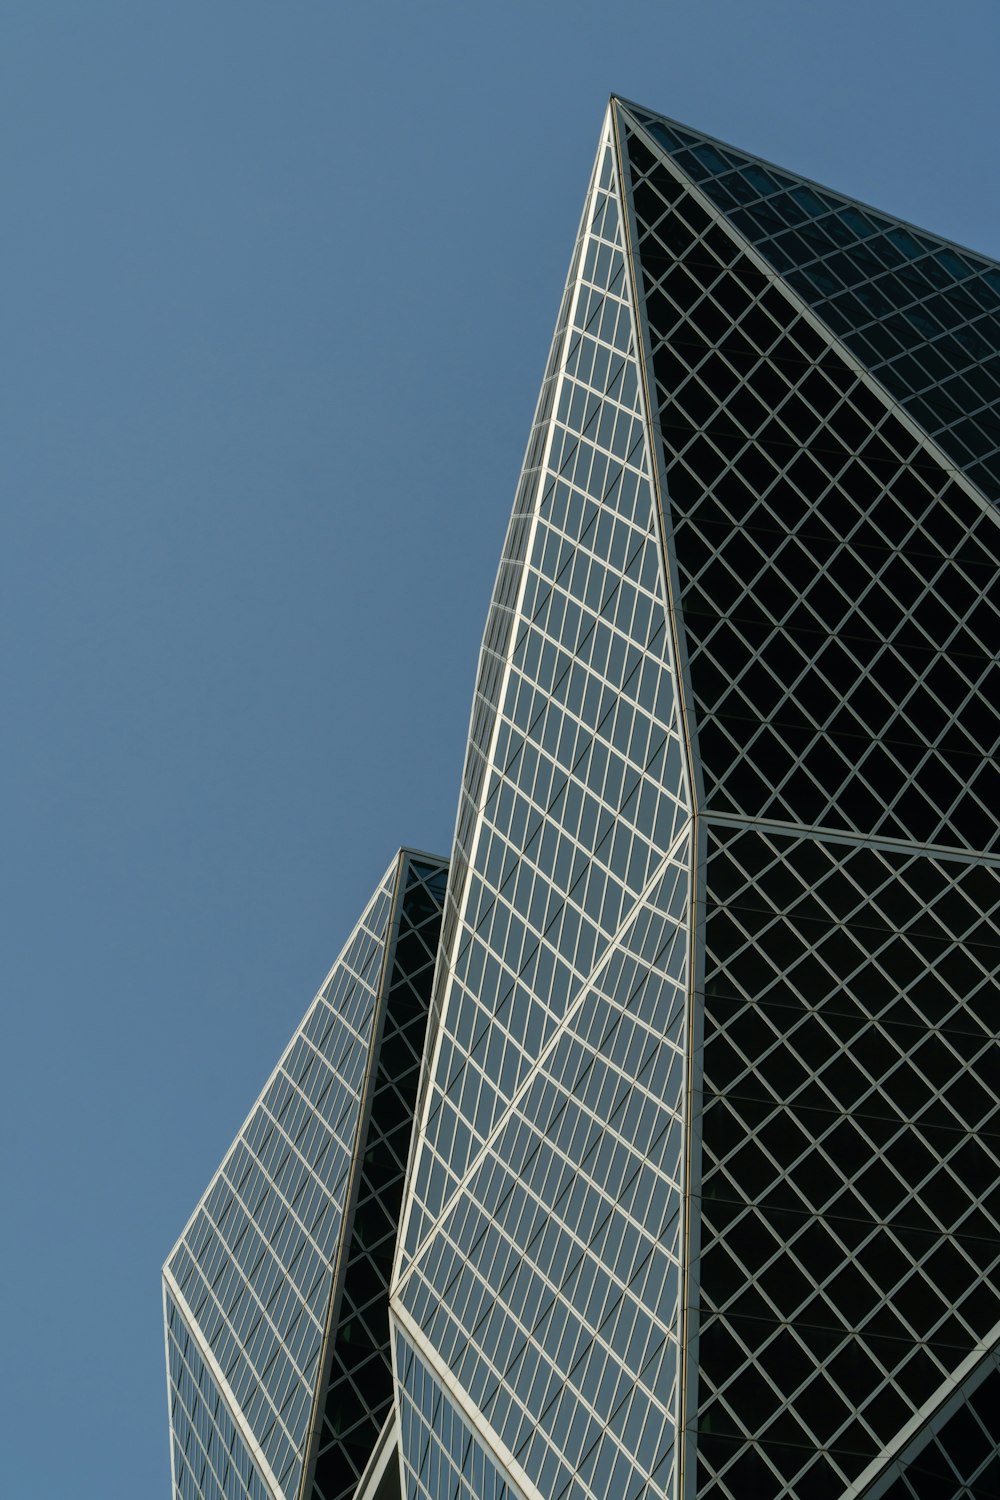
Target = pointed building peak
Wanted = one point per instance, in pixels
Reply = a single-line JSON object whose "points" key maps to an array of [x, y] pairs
{"points": [[919, 313], [707, 159]]}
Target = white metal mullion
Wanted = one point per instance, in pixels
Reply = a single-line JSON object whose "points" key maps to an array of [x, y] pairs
{"points": [[196, 1434], [583, 1246], [669, 859], [804, 310], [170, 1404], [264, 1316], [873, 1480], [378, 1465], [690, 1244], [215, 1370], [362, 1127], [527, 860], [231, 1261], [359, 927], [831, 835], [307, 1235], [500, 1455], [445, 976]]}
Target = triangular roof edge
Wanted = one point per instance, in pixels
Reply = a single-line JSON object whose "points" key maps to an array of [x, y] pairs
{"points": [[637, 112]]}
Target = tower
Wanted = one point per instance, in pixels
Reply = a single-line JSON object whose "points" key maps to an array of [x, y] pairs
{"points": [[275, 1296], [704, 1199]]}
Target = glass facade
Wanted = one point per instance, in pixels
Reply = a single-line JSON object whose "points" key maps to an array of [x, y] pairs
{"points": [[704, 1196], [921, 314], [356, 1385], [955, 1457], [445, 1456], [276, 1294], [699, 1050], [559, 1053], [210, 1458]]}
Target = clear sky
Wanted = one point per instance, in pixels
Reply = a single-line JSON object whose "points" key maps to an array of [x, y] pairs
{"points": [[278, 286]]}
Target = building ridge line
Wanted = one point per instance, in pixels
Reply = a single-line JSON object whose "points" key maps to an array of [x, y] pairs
{"points": [[670, 857]]}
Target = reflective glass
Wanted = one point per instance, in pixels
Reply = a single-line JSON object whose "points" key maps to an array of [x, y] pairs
{"points": [[703, 1194], [819, 541], [358, 1381], [923, 315], [443, 1458], [300, 1193], [957, 1456], [839, 586], [210, 1461], [542, 1244]]}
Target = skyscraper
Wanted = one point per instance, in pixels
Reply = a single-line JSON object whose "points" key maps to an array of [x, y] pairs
{"points": [[705, 1196], [703, 1200], [275, 1296]]}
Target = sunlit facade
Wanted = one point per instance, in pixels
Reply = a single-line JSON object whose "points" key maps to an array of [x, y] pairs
{"points": [[705, 1199], [275, 1296], [703, 1195]]}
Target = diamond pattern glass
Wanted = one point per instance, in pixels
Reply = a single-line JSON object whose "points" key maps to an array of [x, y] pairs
{"points": [[358, 1381], [443, 1457], [920, 313], [819, 1155], [840, 587], [280, 1280], [703, 1199], [955, 1457], [210, 1459], [850, 1253], [560, 1053]]}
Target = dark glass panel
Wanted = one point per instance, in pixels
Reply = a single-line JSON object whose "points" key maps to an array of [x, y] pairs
{"points": [[852, 1177], [358, 1394], [886, 268], [862, 555]]}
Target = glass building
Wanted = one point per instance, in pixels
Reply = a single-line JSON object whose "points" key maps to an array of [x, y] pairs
{"points": [[703, 1195], [275, 1296]]}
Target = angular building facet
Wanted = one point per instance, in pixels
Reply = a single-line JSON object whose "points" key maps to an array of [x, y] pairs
{"points": [[705, 1194], [276, 1294]]}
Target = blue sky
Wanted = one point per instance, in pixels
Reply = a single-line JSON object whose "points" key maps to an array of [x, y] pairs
{"points": [[279, 282]]}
